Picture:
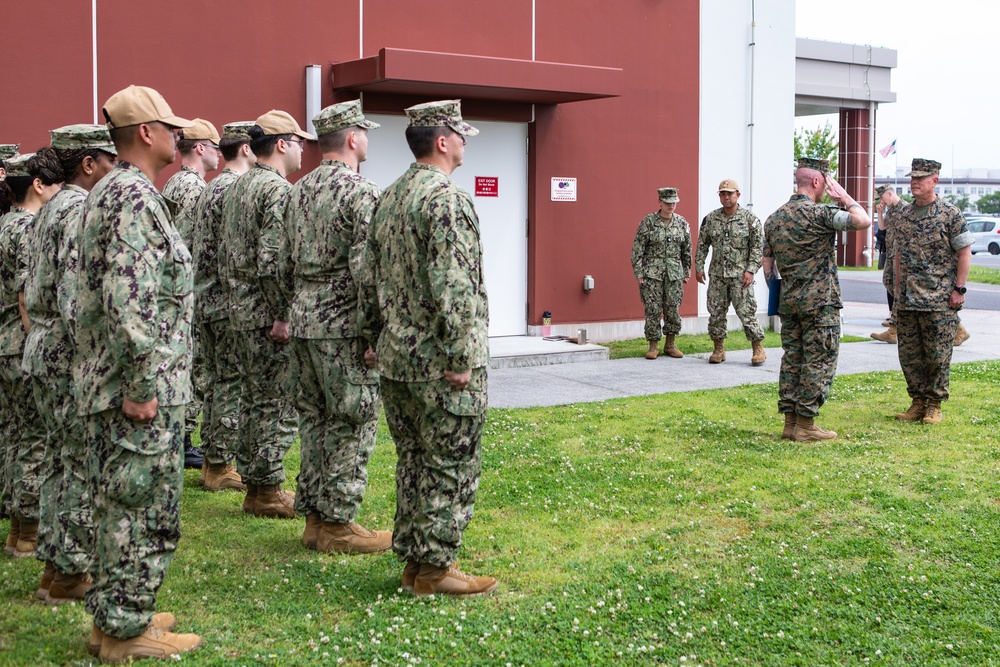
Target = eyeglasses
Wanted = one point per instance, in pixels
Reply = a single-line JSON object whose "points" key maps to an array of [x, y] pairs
{"points": [[295, 141], [215, 146]]}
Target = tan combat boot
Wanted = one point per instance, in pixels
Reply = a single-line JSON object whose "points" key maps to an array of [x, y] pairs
{"points": [[251, 498], [351, 538], [807, 431], [43, 585], [153, 643], [961, 335], [27, 540], [887, 336], [786, 433], [309, 536], [759, 357], [410, 573], [164, 621], [273, 502], [914, 413], [68, 587], [450, 581], [719, 355], [932, 412], [221, 476], [15, 530], [670, 348], [652, 352]]}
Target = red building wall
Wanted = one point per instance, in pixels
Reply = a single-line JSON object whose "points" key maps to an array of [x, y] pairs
{"points": [[227, 61]]}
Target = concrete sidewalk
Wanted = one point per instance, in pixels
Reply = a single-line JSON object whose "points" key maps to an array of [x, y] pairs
{"points": [[600, 380]]}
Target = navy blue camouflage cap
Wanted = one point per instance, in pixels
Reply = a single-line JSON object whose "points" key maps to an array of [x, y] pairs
{"points": [[443, 113], [8, 151], [668, 195], [239, 130], [82, 136], [816, 163], [18, 165], [340, 116], [921, 167]]}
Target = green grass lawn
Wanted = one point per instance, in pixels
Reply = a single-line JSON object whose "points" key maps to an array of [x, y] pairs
{"points": [[666, 530], [984, 274], [700, 343]]}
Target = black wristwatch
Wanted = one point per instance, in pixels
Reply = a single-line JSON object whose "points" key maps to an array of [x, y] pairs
{"points": [[961, 290]]}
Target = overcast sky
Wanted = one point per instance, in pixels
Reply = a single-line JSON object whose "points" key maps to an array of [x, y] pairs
{"points": [[946, 83]]}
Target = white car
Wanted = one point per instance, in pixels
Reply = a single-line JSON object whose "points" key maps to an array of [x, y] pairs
{"points": [[987, 234]]}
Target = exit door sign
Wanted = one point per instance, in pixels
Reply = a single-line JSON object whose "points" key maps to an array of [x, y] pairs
{"points": [[487, 186]]}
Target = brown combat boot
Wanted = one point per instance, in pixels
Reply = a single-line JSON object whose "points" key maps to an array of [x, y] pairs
{"points": [[807, 431], [27, 540], [153, 643], [273, 502], [164, 621], [786, 433], [251, 499], [652, 352], [759, 357], [914, 413], [719, 355], [351, 538], [43, 585], [15, 530], [204, 471], [450, 581], [932, 412], [309, 536], [410, 573], [221, 476], [961, 335], [887, 336], [68, 587], [670, 348]]}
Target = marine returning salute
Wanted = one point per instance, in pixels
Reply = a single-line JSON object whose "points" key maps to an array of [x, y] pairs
{"points": [[800, 245]]}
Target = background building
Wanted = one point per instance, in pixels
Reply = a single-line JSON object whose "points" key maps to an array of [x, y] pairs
{"points": [[586, 107]]}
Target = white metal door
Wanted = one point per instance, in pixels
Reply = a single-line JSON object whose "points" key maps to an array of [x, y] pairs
{"points": [[497, 157]]}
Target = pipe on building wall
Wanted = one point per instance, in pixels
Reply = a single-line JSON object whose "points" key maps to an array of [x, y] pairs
{"points": [[93, 43], [753, 79]]}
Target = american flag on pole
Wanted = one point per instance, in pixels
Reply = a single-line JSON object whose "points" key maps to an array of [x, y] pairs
{"points": [[888, 150]]}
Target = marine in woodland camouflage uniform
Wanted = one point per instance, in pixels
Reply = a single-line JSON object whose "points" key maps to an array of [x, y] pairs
{"points": [[32, 179], [66, 531], [425, 305], [253, 218], [661, 261], [736, 239], [800, 240], [133, 338], [335, 392], [199, 151], [221, 406], [928, 267]]}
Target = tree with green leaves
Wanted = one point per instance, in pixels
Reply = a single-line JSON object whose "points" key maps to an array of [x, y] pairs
{"points": [[960, 201], [819, 143], [989, 204]]}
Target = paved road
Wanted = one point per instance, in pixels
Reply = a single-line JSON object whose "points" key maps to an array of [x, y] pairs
{"points": [[866, 287]]}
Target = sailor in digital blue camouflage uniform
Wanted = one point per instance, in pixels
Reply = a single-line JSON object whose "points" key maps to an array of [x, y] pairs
{"points": [[32, 180], [65, 530], [426, 314], [253, 215], [133, 345], [221, 406], [736, 239], [799, 243], [199, 153], [661, 261], [7, 151], [335, 392], [931, 252]]}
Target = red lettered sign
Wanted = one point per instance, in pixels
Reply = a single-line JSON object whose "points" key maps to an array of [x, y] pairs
{"points": [[487, 186]]}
